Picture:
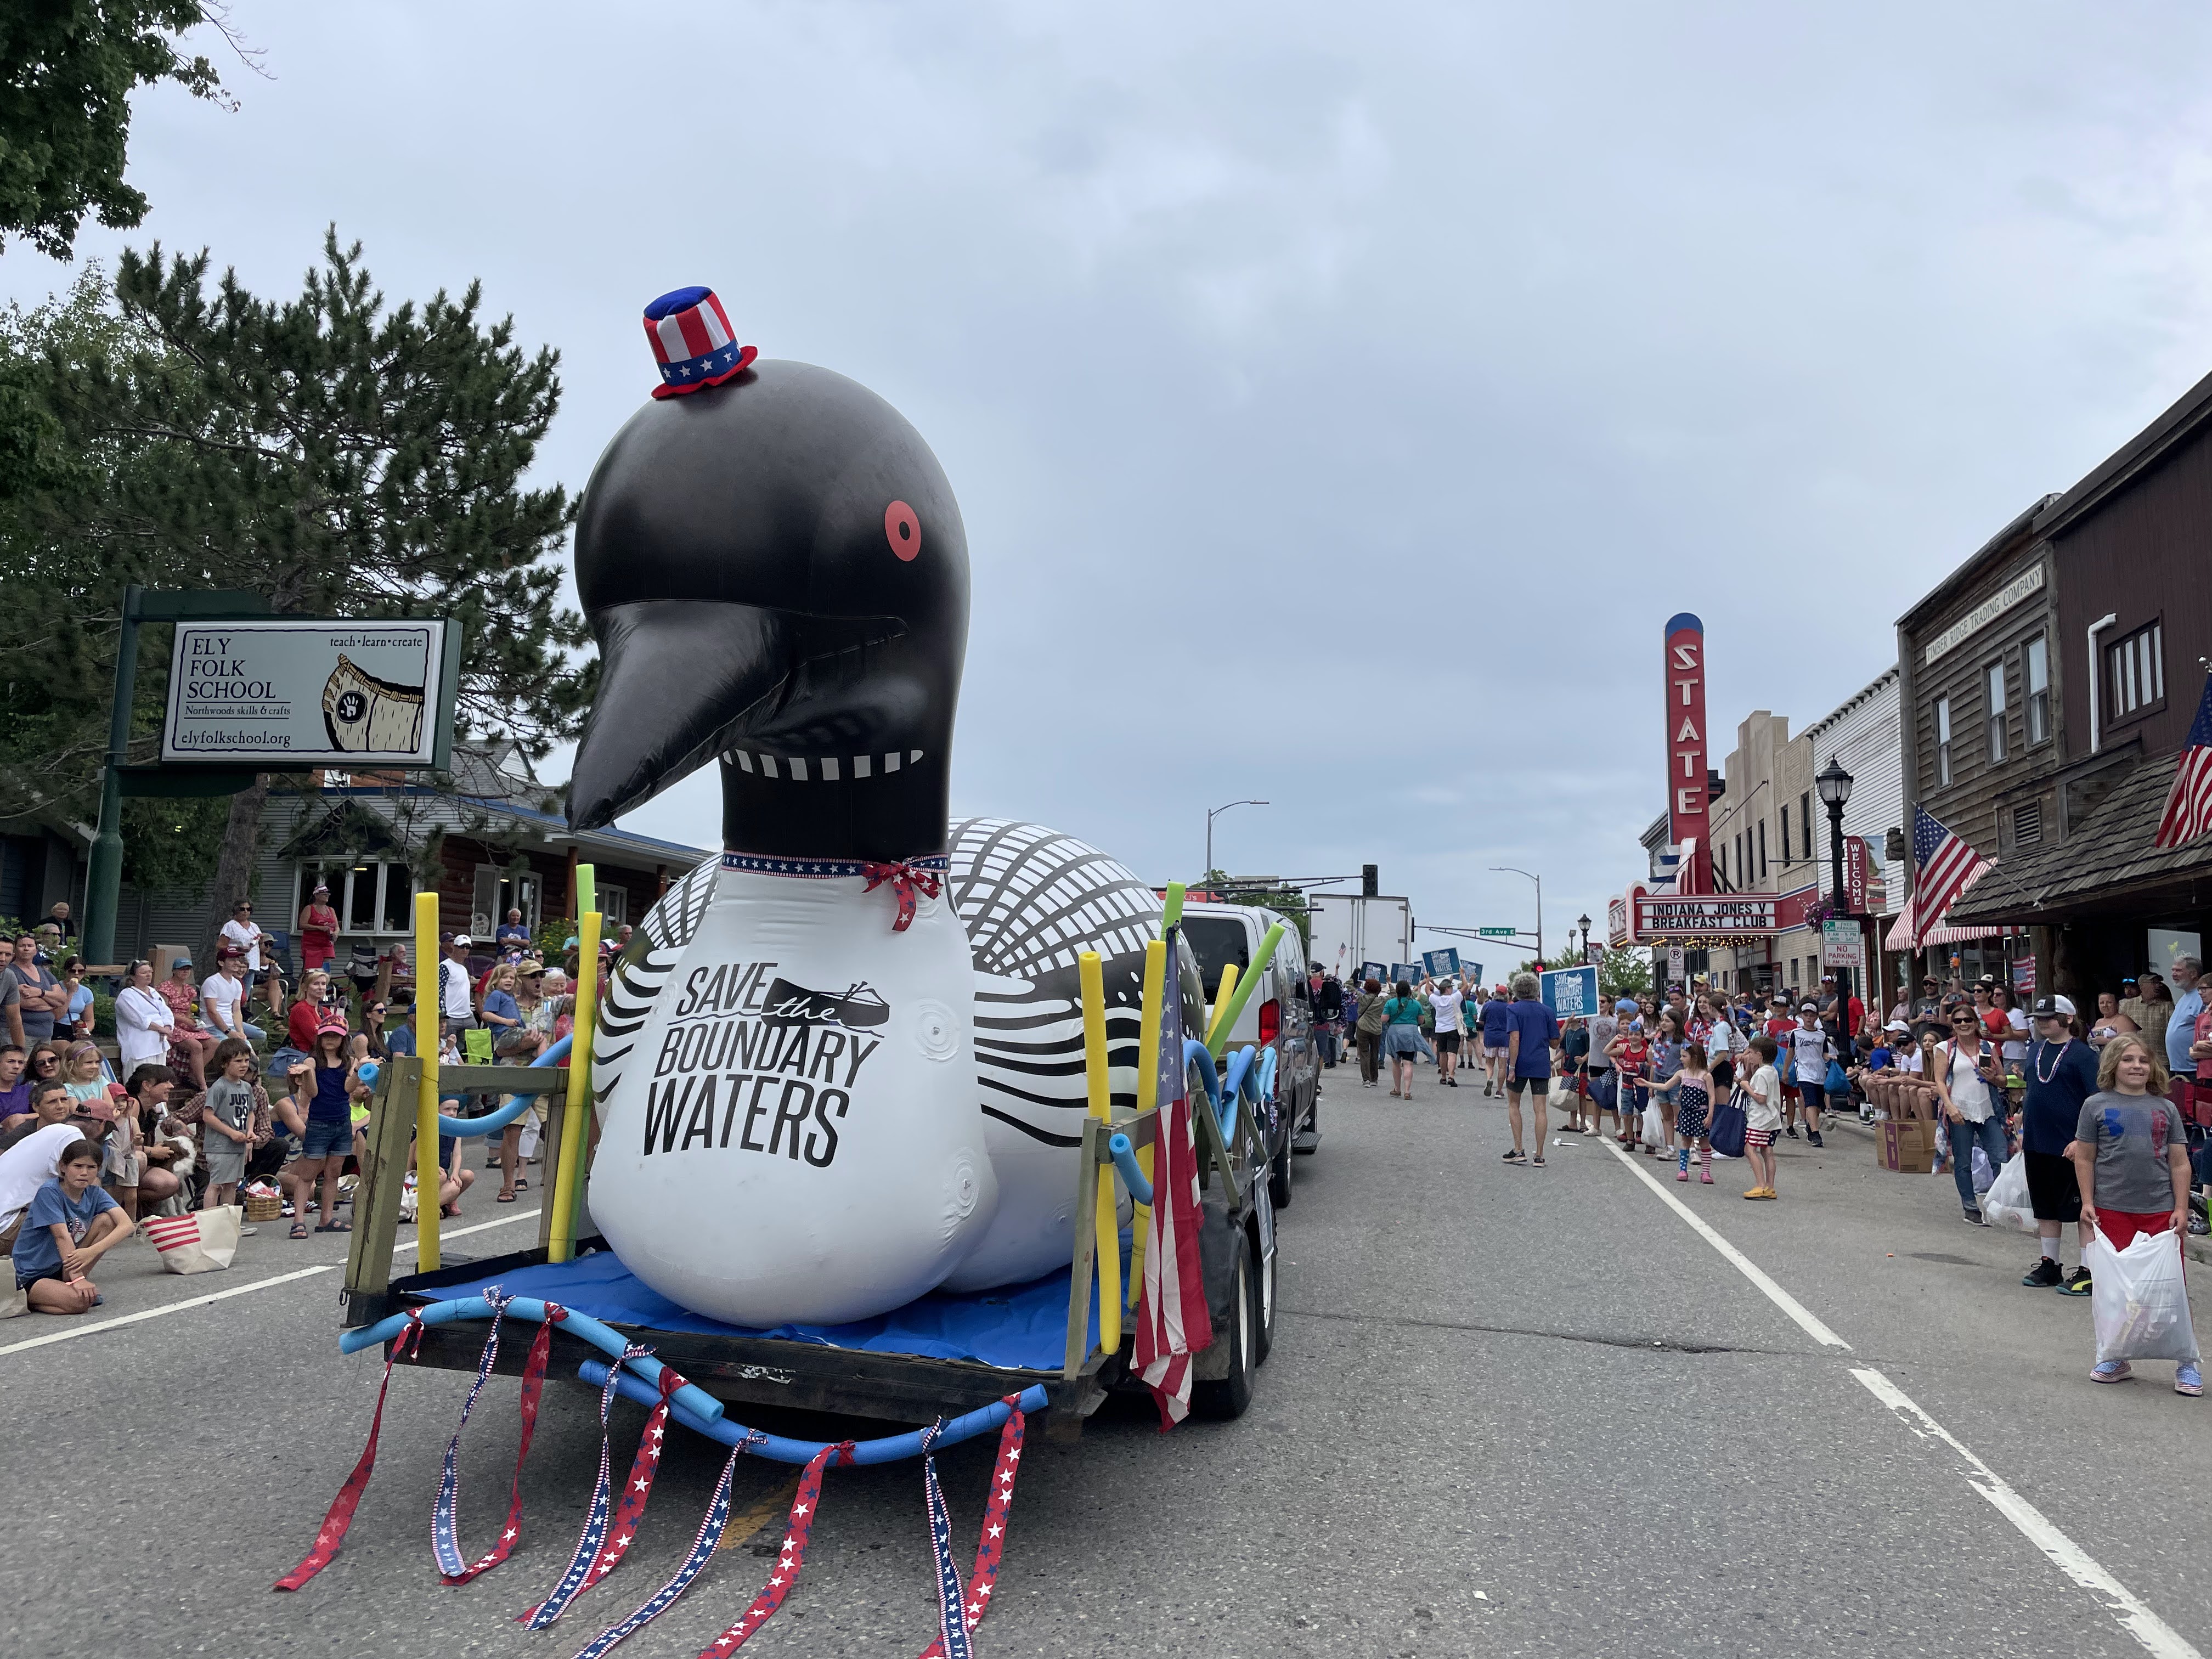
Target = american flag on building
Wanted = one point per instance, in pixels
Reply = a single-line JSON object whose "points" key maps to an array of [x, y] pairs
{"points": [[1947, 867], [2189, 807], [1172, 1323]]}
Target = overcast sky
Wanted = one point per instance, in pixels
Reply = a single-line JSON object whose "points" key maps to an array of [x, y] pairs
{"points": [[1339, 399]]}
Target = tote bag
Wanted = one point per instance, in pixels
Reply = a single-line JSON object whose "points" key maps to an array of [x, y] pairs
{"points": [[198, 1241], [1725, 1132]]}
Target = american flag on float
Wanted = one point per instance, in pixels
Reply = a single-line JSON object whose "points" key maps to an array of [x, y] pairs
{"points": [[1172, 1323], [1947, 865], [2189, 807]]}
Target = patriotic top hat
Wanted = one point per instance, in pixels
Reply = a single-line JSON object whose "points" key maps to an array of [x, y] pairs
{"points": [[692, 341]]}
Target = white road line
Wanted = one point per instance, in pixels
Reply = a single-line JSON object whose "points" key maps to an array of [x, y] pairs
{"points": [[1742, 1263], [173, 1307], [2156, 1636], [240, 1290]]}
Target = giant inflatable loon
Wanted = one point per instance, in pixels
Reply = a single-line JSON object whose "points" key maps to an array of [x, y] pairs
{"points": [[842, 1065]]}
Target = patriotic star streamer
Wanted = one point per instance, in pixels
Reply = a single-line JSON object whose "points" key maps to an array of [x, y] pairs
{"points": [[702, 1551], [584, 1569], [445, 1545], [951, 1622], [340, 1516], [991, 1543], [445, 1525], [805, 1503]]}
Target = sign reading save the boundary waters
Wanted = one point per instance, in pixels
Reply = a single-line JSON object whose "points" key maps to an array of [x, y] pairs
{"points": [[312, 689], [1441, 964], [1571, 993]]}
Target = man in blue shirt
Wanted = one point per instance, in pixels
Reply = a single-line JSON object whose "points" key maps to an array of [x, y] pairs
{"points": [[2062, 1072], [1496, 1031], [1532, 1031], [2188, 1003]]}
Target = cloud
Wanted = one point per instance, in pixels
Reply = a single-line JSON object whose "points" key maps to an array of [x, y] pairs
{"points": [[1338, 403]]}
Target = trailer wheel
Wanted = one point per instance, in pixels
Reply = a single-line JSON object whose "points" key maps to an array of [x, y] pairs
{"points": [[1225, 1399]]}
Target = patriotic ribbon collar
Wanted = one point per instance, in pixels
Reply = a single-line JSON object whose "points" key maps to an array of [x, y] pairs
{"points": [[908, 879]]}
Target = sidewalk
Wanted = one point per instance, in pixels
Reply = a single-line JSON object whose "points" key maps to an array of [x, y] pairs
{"points": [[2195, 1248]]}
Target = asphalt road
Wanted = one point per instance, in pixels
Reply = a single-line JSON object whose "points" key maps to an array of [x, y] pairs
{"points": [[1509, 1411]]}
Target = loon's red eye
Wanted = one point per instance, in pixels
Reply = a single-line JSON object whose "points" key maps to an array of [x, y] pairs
{"points": [[902, 529]]}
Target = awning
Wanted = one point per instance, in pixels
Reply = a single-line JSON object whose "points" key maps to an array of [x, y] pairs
{"points": [[1901, 936], [2106, 867]]}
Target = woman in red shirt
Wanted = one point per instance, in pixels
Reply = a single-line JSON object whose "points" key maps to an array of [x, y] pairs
{"points": [[318, 929]]}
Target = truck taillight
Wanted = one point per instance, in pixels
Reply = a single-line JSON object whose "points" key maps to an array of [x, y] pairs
{"points": [[1271, 1021]]}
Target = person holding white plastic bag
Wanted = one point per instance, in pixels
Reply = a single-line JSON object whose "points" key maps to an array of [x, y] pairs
{"points": [[2130, 1155]]}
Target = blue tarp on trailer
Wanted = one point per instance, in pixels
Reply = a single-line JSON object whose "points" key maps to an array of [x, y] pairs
{"points": [[1019, 1326]]}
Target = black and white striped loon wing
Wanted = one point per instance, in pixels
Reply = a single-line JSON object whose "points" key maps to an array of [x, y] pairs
{"points": [[655, 947], [1031, 900]]}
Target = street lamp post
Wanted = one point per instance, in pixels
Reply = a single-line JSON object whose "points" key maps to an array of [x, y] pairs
{"points": [[1835, 786], [1211, 813], [1508, 870], [1583, 922]]}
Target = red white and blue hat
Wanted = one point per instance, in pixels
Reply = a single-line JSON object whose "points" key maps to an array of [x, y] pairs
{"points": [[693, 342]]}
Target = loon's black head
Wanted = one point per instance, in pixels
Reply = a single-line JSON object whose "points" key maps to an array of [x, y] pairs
{"points": [[776, 571]]}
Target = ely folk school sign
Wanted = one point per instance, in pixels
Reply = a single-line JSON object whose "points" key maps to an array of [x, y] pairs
{"points": [[311, 691]]}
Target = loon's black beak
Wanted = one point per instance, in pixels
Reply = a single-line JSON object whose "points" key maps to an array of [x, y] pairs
{"points": [[677, 676]]}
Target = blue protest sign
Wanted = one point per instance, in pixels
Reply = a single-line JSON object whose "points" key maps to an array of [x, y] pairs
{"points": [[1571, 993], [1406, 971], [1441, 964], [1374, 970]]}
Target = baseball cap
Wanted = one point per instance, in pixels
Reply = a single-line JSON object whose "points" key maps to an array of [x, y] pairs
{"points": [[1626, 1005], [332, 1020], [176, 962], [1897, 1025], [1808, 1007], [461, 939], [2054, 1007]]}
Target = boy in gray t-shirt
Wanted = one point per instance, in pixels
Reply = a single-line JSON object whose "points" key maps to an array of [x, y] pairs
{"points": [[229, 1103]]}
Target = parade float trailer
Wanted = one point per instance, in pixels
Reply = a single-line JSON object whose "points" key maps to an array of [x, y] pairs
{"points": [[1066, 1340]]}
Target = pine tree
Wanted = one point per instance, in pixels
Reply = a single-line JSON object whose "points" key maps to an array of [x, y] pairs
{"points": [[337, 455]]}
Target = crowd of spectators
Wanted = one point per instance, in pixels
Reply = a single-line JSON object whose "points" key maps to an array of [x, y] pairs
{"points": [[195, 1098]]}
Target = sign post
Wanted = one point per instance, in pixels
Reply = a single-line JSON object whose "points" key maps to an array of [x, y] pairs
{"points": [[104, 880]]}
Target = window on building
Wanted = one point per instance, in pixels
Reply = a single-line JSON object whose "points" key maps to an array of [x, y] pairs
{"points": [[1786, 837], [2136, 669], [371, 896], [1942, 742], [1993, 703], [499, 891], [1762, 850], [614, 904], [1805, 821], [2036, 663], [2027, 824]]}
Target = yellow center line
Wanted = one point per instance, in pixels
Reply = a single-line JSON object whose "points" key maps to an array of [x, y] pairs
{"points": [[743, 1527]]}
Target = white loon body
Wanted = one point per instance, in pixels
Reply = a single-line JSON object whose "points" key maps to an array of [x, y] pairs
{"points": [[786, 1090], [1021, 903]]}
